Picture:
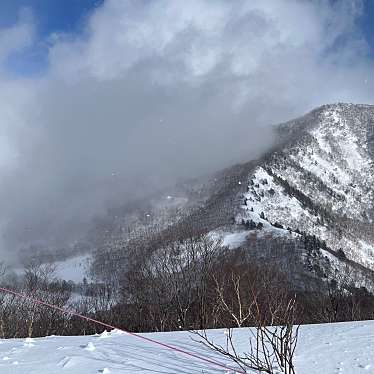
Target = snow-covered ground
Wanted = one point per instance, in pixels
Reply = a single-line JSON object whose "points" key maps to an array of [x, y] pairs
{"points": [[323, 349], [74, 269]]}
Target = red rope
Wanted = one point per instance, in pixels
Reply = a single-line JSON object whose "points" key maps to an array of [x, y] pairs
{"points": [[164, 345]]}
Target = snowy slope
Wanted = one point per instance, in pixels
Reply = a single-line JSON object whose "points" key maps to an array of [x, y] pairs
{"points": [[321, 181], [328, 349], [73, 269]]}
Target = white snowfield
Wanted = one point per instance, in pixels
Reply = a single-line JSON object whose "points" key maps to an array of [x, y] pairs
{"points": [[323, 349]]}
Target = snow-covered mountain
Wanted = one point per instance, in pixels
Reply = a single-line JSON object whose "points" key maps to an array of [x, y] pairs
{"points": [[310, 197], [321, 180]]}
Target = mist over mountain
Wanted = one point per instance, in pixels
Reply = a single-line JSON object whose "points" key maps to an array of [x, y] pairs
{"points": [[149, 93], [299, 216], [199, 166]]}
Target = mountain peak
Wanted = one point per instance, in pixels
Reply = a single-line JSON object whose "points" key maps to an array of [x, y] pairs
{"points": [[320, 180], [329, 114]]}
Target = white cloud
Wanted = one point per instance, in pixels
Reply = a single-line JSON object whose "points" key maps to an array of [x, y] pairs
{"points": [[156, 90], [199, 35], [16, 37]]}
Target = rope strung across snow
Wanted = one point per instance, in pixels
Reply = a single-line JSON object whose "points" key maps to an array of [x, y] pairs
{"points": [[149, 340]]}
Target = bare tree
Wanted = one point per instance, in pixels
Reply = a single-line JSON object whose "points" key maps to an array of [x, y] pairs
{"points": [[249, 296]]}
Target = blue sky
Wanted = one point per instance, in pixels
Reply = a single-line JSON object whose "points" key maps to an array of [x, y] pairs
{"points": [[367, 23], [50, 16], [59, 16]]}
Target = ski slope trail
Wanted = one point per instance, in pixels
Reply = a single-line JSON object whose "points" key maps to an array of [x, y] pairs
{"points": [[328, 348]]}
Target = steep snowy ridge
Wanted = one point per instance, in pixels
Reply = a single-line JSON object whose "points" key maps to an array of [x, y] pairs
{"points": [[322, 182]]}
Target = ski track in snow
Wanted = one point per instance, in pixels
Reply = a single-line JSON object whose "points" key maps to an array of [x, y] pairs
{"points": [[328, 348]]}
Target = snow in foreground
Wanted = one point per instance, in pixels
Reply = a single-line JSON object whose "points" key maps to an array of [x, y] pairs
{"points": [[329, 348]]}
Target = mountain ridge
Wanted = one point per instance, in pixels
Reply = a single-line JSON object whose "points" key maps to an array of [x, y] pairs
{"points": [[309, 199], [316, 181]]}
